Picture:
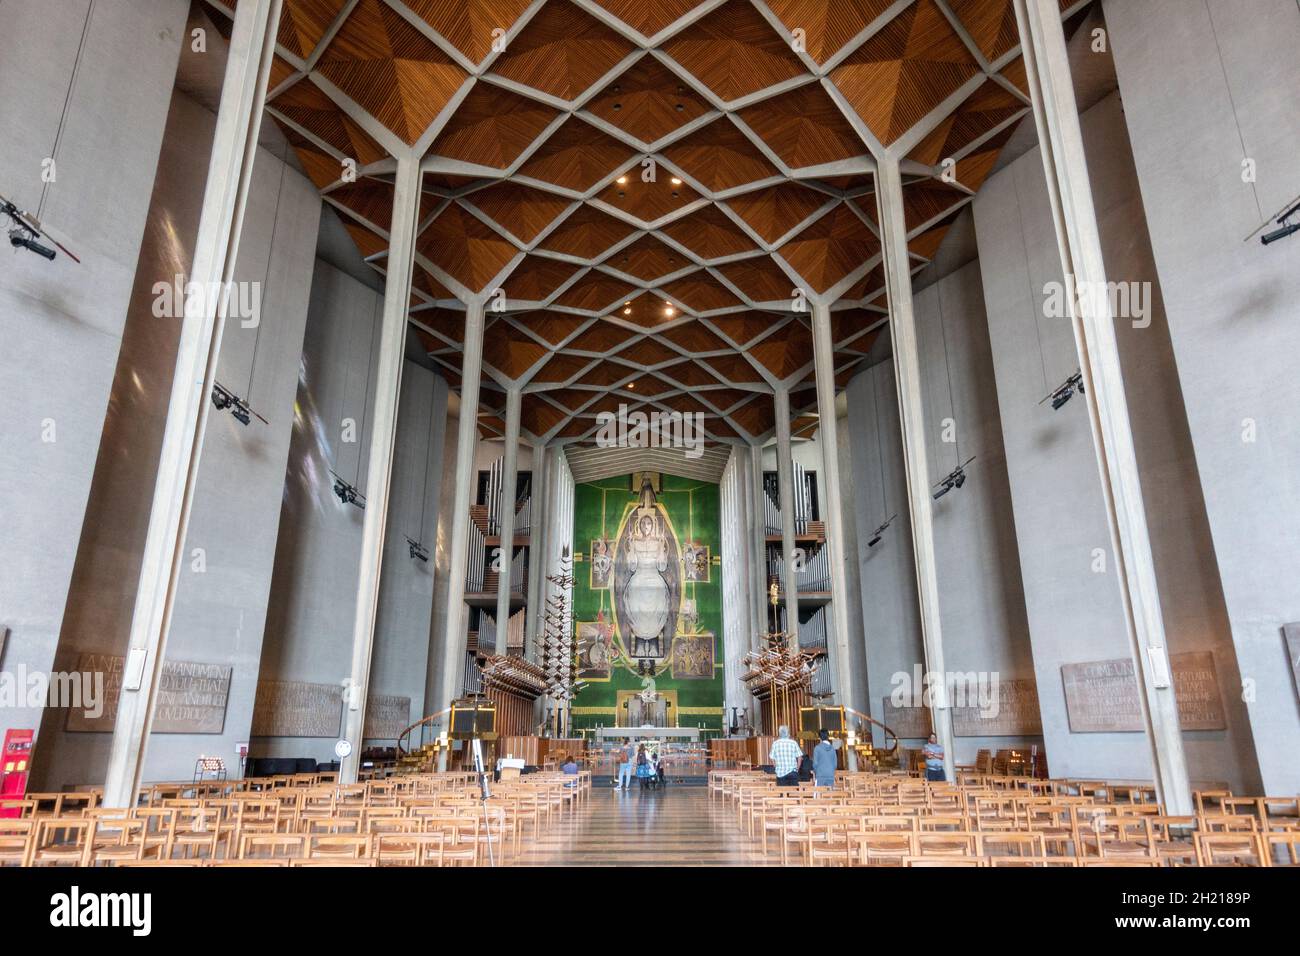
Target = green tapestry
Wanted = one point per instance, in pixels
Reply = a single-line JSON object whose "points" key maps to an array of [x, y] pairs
{"points": [[647, 601]]}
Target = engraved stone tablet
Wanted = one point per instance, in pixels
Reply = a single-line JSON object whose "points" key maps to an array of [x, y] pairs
{"points": [[907, 722], [297, 709], [386, 716], [1102, 696], [1014, 714], [191, 697]]}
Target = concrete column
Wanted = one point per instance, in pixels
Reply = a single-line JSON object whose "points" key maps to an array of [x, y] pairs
{"points": [[758, 543], [824, 377], [907, 374], [784, 480], [1061, 142], [509, 479], [239, 117], [453, 647], [536, 544], [379, 467]]}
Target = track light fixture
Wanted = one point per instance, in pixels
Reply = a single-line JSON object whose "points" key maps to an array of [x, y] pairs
{"points": [[27, 229], [224, 398], [347, 492], [418, 551], [1065, 391], [1288, 228], [880, 532], [955, 479]]}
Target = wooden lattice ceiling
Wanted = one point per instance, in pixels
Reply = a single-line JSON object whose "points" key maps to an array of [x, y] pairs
{"points": [[648, 182]]}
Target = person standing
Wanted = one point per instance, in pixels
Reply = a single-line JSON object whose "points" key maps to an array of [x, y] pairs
{"points": [[824, 761], [785, 756], [625, 769], [933, 758]]}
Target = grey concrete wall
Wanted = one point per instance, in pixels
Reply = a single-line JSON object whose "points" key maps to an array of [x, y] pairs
{"points": [[89, 86], [1231, 306], [313, 588], [221, 601], [981, 604], [1074, 611]]}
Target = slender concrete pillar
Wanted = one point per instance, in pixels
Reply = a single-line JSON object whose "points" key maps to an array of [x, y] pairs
{"points": [[785, 491], [832, 513], [453, 647], [536, 544], [379, 466], [1061, 143], [907, 374], [234, 145], [758, 541], [509, 479]]}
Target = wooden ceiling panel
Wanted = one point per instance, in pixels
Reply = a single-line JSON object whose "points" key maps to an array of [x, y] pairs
{"points": [[709, 234], [774, 211], [694, 338], [595, 292], [391, 69], [492, 127], [552, 327], [990, 23], [587, 233], [648, 101], [984, 109], [734, 52], [509, 352], [756, 416], [605, 375], [689, 374], [470, 25], [561, 51], [719, 157], [649, 17], [827, 25], [576, 156], [831, 248], [537, 278], [306, 104], [906, 70], [733, 368], [850, 322], [786, 352], [371, 199], [744, 327], [761, 279], [647, 352], [538, 415], [521, 210], [427, 284], [648, 260], [805, 128], [561, 368], [321, 167], [647, 202], [460, 244], [603, 338], [650, 386], [700, 292], [448, 323], [925, 199], [303, 23]]}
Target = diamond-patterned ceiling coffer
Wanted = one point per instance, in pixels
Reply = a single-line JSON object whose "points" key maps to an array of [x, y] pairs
{"points": [[774, 211], [465, 248], [648, 260], [391, 69], [520, 210], [648, 101], [905, 71], [983, 110], [649, 17], [303, 23], [492, 127], [587, 234], [735, 52], [804, 127], [759, 278], [827, 25], [508, 351], [551, 327], [688, 374], [647, 202], [536, 279], [576, 156], [744, 327], [709, 234], [470, 26], [561, 51], [701, 293], [306, 104], [595, 292], [831, 248], [720, 157]]}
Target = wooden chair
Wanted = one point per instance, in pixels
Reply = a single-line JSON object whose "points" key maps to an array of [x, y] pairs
{"points": [[944, 843], [337, 846], [1281, 848], [15, 839], [882, 849], [272, 845], [1034, 861], [59, 841], [1001, 844], [1229, 849], [965, 861]]}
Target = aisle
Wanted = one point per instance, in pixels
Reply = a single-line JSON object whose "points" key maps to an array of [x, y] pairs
{"points": [[673, 827]]}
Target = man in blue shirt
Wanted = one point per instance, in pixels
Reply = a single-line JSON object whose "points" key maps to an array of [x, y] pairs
{"points": [[824, 761], [933, 759], [785, 756]]}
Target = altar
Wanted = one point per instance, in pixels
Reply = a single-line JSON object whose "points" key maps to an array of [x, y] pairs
{"points": [[647, 733]]}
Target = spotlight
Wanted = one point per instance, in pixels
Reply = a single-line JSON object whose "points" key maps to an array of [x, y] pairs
{"points": [[28, 229], [622, 180], [224, 398], [1288, 228], [1065, 391], [955, 479], [880, 532], [347, 492], [418, 551], [675, 181]]}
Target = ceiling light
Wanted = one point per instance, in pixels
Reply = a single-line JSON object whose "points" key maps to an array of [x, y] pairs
{"points": [[631, 385], [622, 180], [669, 311], [675, 181], [627, 311]]}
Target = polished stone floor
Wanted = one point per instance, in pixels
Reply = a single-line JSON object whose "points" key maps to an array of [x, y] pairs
{"points": [[673, 827]]}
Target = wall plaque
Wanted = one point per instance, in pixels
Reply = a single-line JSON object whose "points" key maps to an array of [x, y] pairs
{"points": [[386, 716], [1017, 713], [297, 709], [906, 722], [1102, 696], [191, 697]]}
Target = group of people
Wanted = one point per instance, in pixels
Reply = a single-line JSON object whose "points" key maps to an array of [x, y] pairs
{"points": [[644, 764], [792, 765]]}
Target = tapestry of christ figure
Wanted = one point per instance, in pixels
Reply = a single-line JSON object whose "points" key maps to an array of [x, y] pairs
{"points": [[647, 580]]}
